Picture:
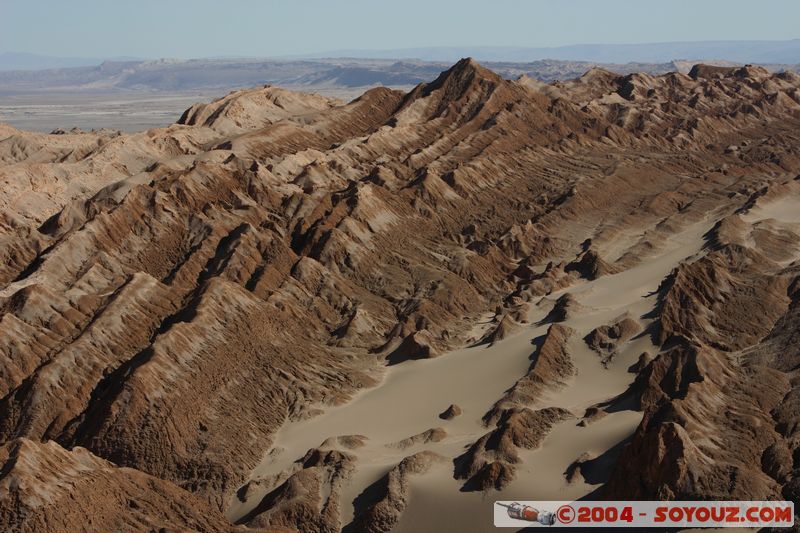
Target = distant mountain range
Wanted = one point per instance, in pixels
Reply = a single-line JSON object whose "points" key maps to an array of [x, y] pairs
{"points": [[738, 51], [784, 52], [25, 61], [222, 75]]}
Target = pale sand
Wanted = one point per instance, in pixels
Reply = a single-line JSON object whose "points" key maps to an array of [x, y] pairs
{"points": [[786, 209], [407, 402], [436, 503], [412, 395], [781, 213]]}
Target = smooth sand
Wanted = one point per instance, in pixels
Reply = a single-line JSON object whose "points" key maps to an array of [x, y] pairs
{"points": [[412, 394], [786, 209]]}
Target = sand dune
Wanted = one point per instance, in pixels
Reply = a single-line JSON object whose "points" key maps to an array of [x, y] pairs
{"points": [[408, 399]]}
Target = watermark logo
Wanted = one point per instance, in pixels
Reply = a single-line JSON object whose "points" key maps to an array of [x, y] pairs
{"points": [[754, 514]]}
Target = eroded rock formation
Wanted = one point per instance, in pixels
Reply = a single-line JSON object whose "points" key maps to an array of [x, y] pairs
{"points": [[171, 299]]}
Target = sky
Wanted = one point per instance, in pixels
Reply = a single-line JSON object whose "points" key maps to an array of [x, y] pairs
{"points": [[277, 28]]}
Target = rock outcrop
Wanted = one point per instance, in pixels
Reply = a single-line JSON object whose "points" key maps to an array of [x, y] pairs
{"points": [[450, 413], [727, 317], [490, 462], [605, 340], [551, 367], [430, 435], [310, 497], [394, 492], [47, 488]]}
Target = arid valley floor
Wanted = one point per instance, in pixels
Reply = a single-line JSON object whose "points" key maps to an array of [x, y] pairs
{"points": [[290, 312]]}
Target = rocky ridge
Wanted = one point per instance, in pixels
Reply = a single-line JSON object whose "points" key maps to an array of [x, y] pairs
{"points": [[171, 298]]}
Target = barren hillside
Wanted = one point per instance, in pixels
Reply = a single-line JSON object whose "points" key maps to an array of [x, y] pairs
{"points": [[285, 312]]}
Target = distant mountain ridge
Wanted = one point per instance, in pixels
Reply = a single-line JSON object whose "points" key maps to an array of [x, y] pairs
{"points": [[26, 61], [310, 74], [737, 51]]}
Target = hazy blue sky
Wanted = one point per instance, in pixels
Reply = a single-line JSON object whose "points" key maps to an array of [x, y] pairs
{"points": [[203, 28]]}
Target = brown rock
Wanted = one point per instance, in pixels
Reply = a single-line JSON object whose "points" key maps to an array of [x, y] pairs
{"points": [[504, 328], [382, 515], [590, 266], [450, 413], [644, 359], [310, 497], [565, 307], [489, 462], [169, 299], [48, 488], [592, 414], [417, 345], [551, 367], [606, 339], [430, 435], [573, 473]]}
